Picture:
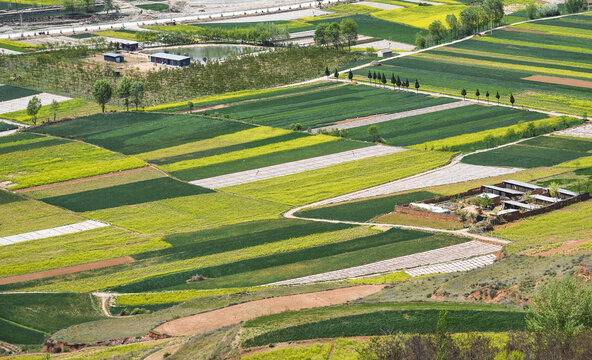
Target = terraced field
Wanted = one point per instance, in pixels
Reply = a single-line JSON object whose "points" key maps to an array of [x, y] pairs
{"points": [[333, 104], [506, 62], [537, 152]]}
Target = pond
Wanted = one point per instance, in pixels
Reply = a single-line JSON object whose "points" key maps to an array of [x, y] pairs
{"points": [[210, 52]]}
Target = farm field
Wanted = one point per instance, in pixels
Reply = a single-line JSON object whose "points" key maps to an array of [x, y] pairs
{"points": [[332, 105], [9, 92], [537, 152], [32, 160], [341, 179], [66, 109], [417, 16], [443, 124], [511, 58]]}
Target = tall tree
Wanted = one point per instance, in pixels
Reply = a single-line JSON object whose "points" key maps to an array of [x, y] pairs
{"points": [[327, 72], [350, 75], [373, 131], [336, 74], [437, 31], [420, 41], [477, 94], [383, 79], [417, 85], [349, 30], [190, 105], [393, 80], [102, 92], [399, 82], [487, 96], [124, 91], [321, 34], [137, 92], [512, 100], [497, 96], [469, 19], [108, 5], [55, 106], [334, 34], [573, 6], [453, 25], [33, 108], [374, 76], [369, 75], [464, 93]]}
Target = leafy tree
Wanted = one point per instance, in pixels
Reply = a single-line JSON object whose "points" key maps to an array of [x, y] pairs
{"points": [[497, 96], [477, 94], [469, 19], [512, 100], [296, 127], [437, 31], [68, 6], [417, 85], [123, 91], [487, 95], [327, 72], [350, 75], [495, 10], [399, 82], [349, 30], [190, 105], [560, 309], [373, 131], [554, 189], [393, 80], [137, 92], [33, 108], [573, 6], [334, 34], [108, 5], [88, 5], [54, 107], [464, 93], [374, 76], [453, 25], [102, 92], [369, 75], [336, 74], [321, 36], [407, 83], [420, 41], [383, 79], [531, 11]]}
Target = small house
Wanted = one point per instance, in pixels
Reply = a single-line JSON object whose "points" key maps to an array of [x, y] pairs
{"points": [[510, 204], [170, 59], [506, 192], [384, 53], [127, 45], [113, 57], [521, 186]]}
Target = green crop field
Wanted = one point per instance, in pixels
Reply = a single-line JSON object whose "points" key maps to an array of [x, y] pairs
{"points": [[154, 7], [418, 16], [536, 152], [364, 210], [30, 215], [311, 186], [31, 160], [502, 62], [376, 319], [127, 194], [9, 92], [380, 28], [20, 323], [334, 104], [442, 124], [6, 127]]}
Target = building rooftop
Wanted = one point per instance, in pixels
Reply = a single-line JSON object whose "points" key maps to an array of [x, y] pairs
{"points": [[170, 56], [568, 192], [129, 42], [545, 198], [506, 190], [507, 211], [113, 54], [522, 184], [488, 195], [520, 205], [429, 207]]}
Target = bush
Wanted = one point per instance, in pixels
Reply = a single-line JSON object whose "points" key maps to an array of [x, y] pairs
{"points": [[548, 10], [531, 11]]}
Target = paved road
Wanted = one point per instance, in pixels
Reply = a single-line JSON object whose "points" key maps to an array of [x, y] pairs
{"points": [[448, 253], [295, 167], [369, 120], [55, 231]]}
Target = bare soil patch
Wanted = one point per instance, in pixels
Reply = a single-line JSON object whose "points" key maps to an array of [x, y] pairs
{"points": [[49, 186], [560, 81], [205, 108], [237, 313], [357, 119], [565, 248], [525, 30], [66, 270]]}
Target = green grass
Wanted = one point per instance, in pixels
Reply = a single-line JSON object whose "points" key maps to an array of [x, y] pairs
{"points": [[134, 133], [315, 109], [9, 92], [32, 317], [379, 28], [119, 34], [154, 7], [536, 152], [126, 194], [376, 319], [19, 215], [500, 63], [48, 160], [310, 186], [74, 249], [66, 109], [364, 210], [442, 124], [300, 262], [272, 158]]}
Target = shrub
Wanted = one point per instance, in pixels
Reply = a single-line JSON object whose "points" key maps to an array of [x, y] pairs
{"points": [[548, 10]]}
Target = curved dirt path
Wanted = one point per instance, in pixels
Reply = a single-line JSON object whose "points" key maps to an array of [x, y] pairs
{"points": [[237, 313]]}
